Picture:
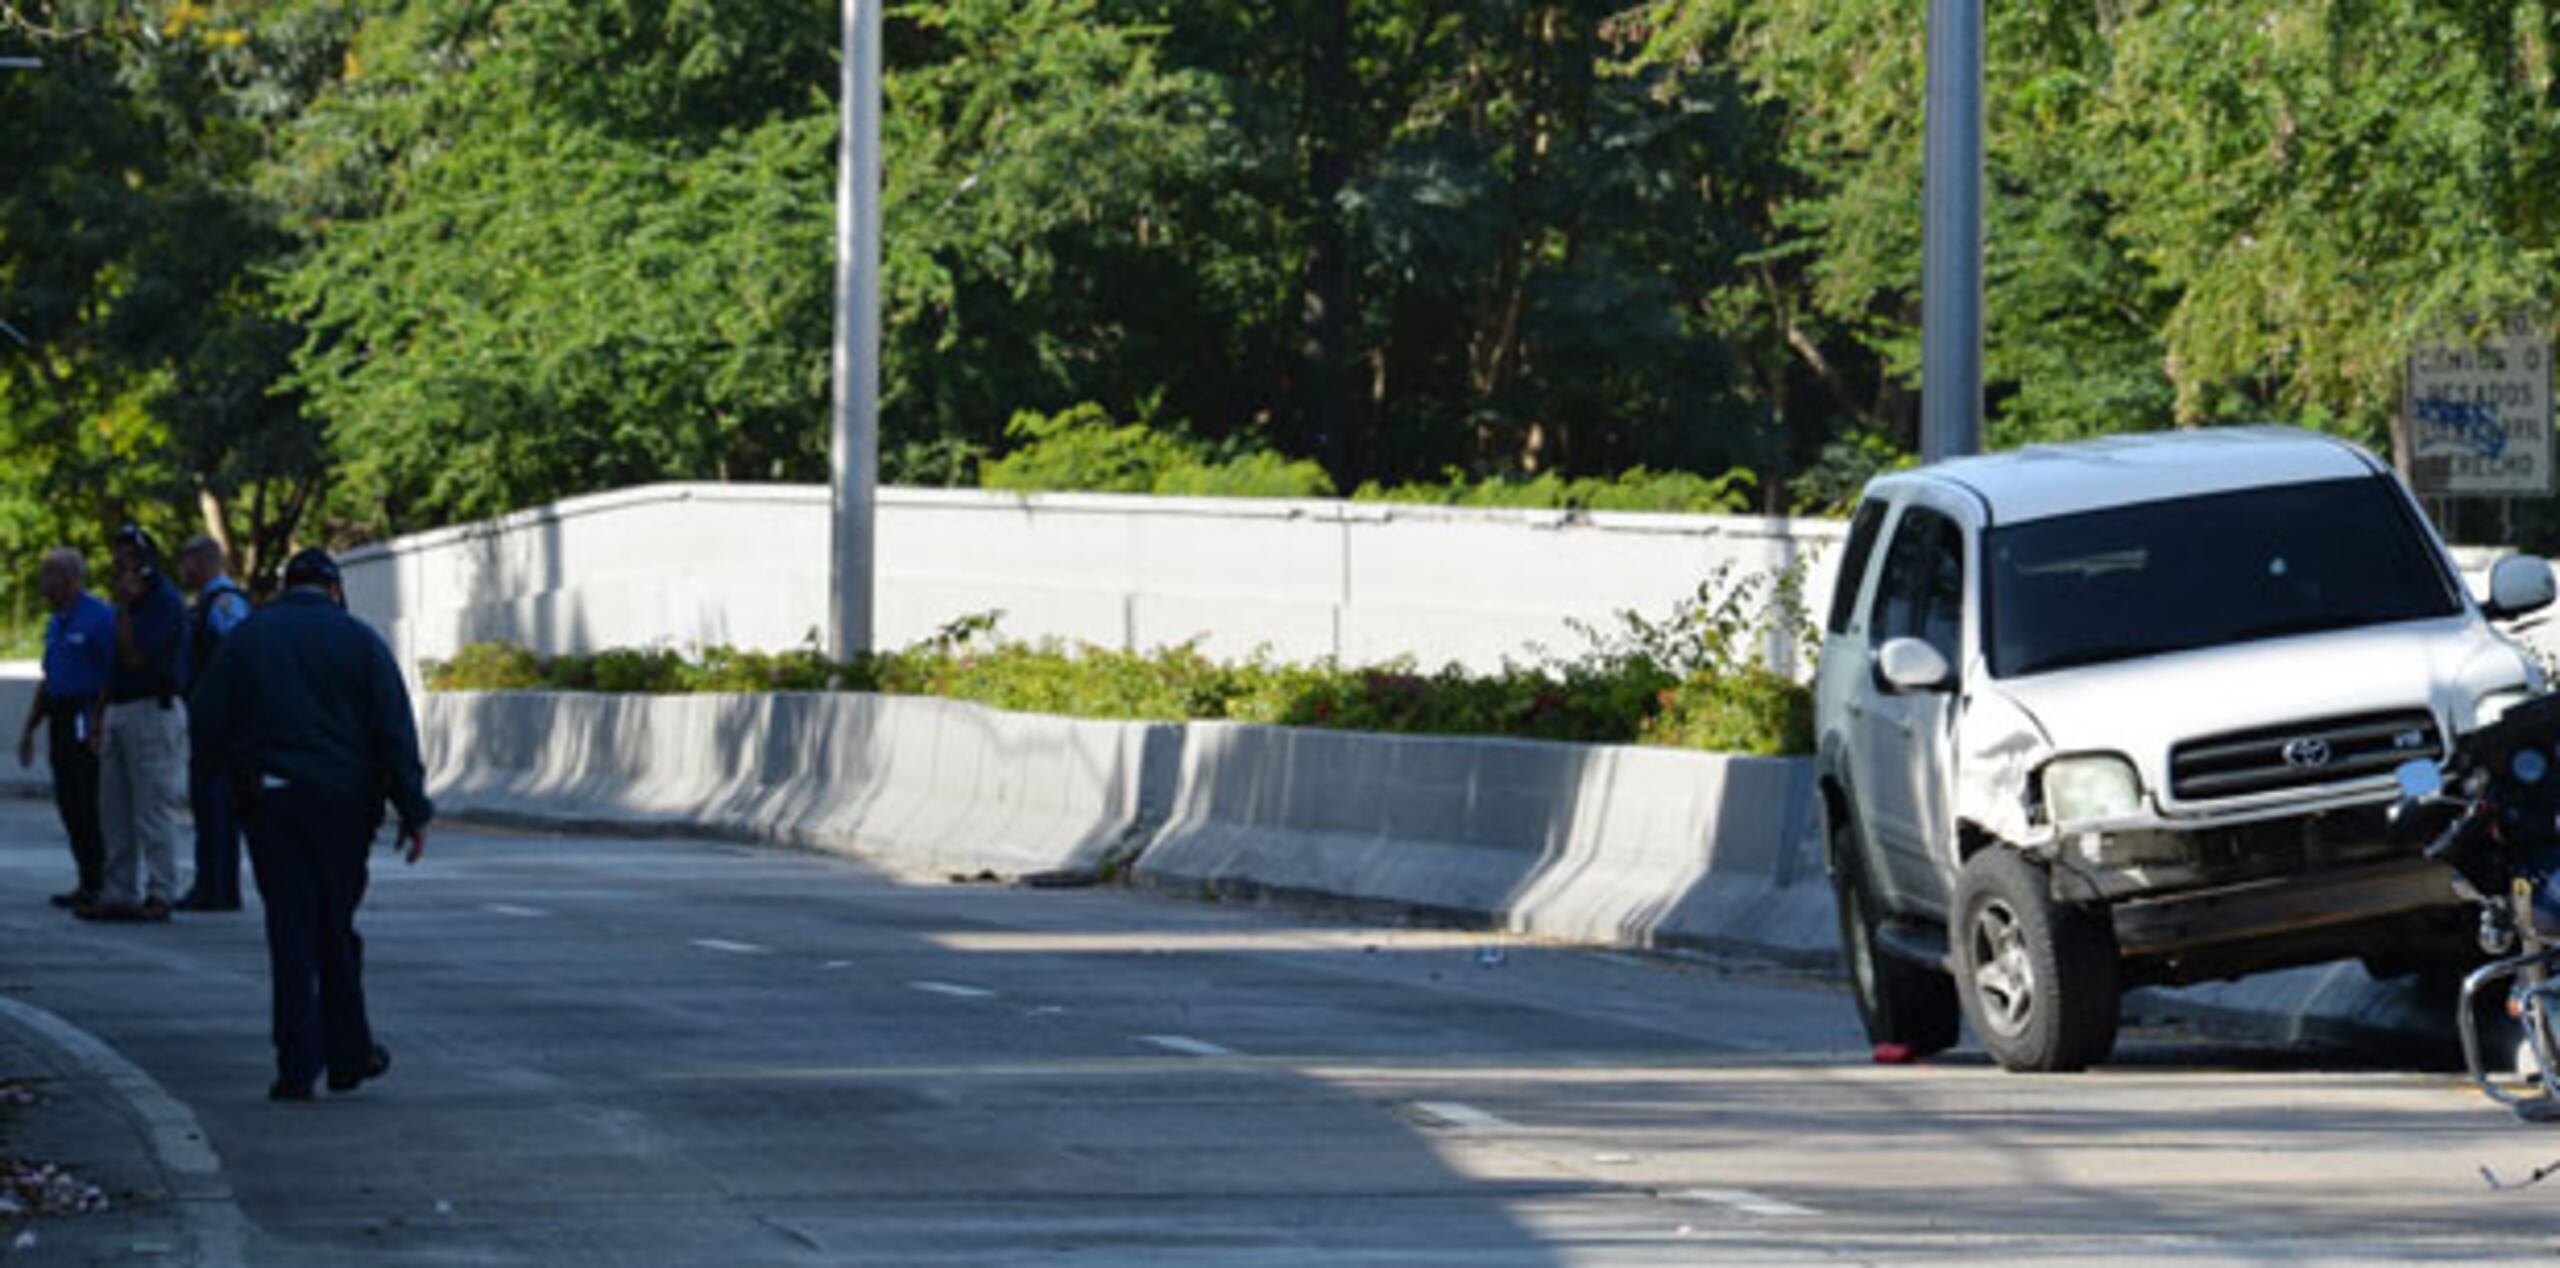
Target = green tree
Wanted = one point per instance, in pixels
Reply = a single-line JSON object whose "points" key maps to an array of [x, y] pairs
{"points": [[2198, 212], [133, 247], [522, 291], [2322, 186]]}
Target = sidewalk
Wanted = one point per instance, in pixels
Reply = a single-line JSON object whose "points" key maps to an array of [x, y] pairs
{"points": [[93, 1115]]}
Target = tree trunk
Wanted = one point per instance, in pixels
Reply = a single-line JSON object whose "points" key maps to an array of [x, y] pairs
{"points": [[217, 519]]}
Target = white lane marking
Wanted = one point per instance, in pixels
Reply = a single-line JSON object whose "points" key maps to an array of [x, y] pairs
{"points": [[510, 909], [1187, 1045], [837, 964], [733, 948], [1458, 1114], [954, 990], [1747, 1202]]}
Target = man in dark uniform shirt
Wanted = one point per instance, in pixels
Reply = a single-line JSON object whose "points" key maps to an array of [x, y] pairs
{"points": [[307, 711], [141, 738], [220, 607]]}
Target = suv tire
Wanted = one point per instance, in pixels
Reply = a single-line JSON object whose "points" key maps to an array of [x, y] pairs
{"points": [[1898, 1002], [2038, 978]]}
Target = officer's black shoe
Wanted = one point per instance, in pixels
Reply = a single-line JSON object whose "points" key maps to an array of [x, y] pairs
{"points": [[118, 913], [283, 1091], [74, 898], [153, 910], [376, 1064]]}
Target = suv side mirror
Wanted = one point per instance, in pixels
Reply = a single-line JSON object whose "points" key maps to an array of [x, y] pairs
{"points": [[2517, 585], [1910, 664]]}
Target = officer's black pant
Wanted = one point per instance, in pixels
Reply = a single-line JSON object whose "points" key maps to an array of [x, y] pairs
{"points": [[75, 789], [217, 835], [307, 847]]}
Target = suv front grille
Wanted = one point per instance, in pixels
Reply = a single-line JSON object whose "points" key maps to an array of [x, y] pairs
{"points": [[2300, 754]]}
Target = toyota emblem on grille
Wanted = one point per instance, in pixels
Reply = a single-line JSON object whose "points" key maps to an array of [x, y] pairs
{"points": [[2308, 753]]}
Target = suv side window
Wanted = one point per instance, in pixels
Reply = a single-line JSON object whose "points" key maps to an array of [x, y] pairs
{"points": [[1853, 564], [1921, 594]]}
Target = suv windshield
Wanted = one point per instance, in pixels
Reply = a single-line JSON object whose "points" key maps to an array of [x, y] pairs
{"points": [[2203, 571]]}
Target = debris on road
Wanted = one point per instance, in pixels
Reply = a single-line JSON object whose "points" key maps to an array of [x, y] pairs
{"points": [[44, 1188], [2540, 1174]]}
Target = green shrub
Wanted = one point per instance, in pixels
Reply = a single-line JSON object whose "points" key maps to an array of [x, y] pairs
{"points": [[1082, 450], [654, 670], [728, 669], [1260, 474], [1754, 712], [486, 667], [1636, 490]]}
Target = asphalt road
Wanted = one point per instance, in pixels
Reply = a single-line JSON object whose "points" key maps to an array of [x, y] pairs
{"points": [[680, 1052]]}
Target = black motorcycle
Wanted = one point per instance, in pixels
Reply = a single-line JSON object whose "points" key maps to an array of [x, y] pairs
{"points": [[2492, 812]]}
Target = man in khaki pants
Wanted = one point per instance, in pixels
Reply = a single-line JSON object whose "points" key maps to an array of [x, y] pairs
{"points": [[142, 739]]}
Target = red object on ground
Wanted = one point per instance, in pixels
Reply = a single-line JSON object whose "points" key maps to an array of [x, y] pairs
{"points": [[1895, 1054]]}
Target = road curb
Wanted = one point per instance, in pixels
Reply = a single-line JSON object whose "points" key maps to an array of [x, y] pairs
{"points": [[216, 1230]]}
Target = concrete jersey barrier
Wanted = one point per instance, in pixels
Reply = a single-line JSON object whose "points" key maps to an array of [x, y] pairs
{"points": [[1622, 845], [915, 784]]}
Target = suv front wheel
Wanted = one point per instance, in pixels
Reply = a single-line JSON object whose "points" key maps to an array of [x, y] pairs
{"points": [[1899, 1002], [2038, 978]]}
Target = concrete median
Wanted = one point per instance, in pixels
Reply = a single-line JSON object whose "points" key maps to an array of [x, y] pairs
{"points": [[1628, 846], [916, 785]]}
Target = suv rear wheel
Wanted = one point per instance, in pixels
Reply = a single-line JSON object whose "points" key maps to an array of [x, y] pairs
{"points": [[1899, 1002], [2038, 978]]}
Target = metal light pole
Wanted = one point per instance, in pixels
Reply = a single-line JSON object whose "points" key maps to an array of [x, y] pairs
{"points": [[854, 454], [1951, 261]]}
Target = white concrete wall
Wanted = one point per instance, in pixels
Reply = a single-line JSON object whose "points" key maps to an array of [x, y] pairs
{"points": [[746, 565]]}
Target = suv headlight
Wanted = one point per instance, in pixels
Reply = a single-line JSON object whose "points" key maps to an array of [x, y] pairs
{"points": [[2091, 788]]}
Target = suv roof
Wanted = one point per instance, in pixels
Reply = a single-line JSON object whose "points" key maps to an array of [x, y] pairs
{"points": [[2046, 480]]}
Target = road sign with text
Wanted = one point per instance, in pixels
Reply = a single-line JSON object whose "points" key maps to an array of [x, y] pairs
{"points": [[2479, 416]]}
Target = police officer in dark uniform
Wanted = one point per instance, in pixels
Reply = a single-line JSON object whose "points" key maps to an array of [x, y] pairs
{"points": [[310, 718], [220, 606]]}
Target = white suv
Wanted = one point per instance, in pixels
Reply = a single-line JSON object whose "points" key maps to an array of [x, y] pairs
{"points": [[2099, 715]]}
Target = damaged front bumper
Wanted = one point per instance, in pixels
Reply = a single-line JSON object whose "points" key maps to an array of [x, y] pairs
{"points": [[2280, 907], [2200, 899]]}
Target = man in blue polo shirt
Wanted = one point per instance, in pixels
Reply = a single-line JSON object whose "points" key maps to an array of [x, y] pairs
{"points": [[141, 736], [79, 642]]}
